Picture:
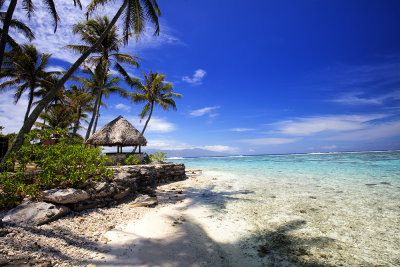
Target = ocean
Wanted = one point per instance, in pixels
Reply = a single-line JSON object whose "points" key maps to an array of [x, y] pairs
{"points": [[326, 209]]}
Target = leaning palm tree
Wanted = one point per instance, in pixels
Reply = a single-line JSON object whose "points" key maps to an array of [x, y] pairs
{"points": [[105, 55], [19, 27], [100, 86], [28, 6], [136, 15], [154, 91], [25, 69]]}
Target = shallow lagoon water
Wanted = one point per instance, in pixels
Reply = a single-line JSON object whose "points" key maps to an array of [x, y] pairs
{"points": [[308, 209]]}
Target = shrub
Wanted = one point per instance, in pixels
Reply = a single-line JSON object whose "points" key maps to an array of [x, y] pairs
{"points": [[131, 160], [66, 163], [158, 156]]}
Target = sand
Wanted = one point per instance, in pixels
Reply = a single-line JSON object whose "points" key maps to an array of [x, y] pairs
{"points": [[213, 220]]}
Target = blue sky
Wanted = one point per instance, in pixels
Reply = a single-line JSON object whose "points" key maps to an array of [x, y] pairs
{"points": [[258, 77]]}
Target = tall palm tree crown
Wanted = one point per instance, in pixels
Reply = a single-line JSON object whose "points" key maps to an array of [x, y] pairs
{"points": [[154, 91], [99, 86], [26, 70], [90, 31]]}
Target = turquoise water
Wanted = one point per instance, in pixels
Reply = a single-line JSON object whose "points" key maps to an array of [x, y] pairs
{"points": [[360, 167], [344, 206]]}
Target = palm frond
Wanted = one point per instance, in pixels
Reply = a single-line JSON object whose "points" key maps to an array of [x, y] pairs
{"points": [[52, 10], [22, 28]]}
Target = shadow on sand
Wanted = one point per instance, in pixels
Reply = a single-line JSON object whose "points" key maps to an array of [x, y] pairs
{"points": [[191, 245]]}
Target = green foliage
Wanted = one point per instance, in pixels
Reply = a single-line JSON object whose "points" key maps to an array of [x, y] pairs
{"points": [[65, 163], [146, 159], [158, 157], [131, 160]]}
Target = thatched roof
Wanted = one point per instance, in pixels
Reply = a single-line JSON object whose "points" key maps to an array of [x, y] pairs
{"points": [[117, 132]]}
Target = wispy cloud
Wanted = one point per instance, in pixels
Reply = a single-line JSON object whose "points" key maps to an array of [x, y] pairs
{"points": [[12, 116], [163, 144], [269, 141], [123, 107], [48, 42], [241, 130], [359, 98], [197, 77], [334, 123], [204, 111], [376, 131]]}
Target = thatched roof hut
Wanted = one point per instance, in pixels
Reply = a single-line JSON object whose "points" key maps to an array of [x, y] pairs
{"points": [[118, 132]]}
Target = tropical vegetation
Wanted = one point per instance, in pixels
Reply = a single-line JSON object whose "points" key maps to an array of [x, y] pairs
{"points": [[59, 110], [137, 14]]}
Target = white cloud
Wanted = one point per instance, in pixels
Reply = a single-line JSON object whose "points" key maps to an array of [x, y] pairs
{"points": [[48, 42], [219, 148], [197, 77], [336, 123], [329, 147], [123, 107], [156, 124], [162, 144], [204, 111], [12, 115], [355, 98], [269, 141], [160, 125], [240, 129], [55, 68], [376, 131]]}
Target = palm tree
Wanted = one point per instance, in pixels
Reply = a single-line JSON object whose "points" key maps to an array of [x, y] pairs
{"points": [[80, 101], [136, 15], [154, 91], [100, 86], [46, 86], [26, 70], [27, 5], [60, 116], [18, 26], [106, 54]]}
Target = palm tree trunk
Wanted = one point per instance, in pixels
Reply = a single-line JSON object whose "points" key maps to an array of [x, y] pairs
{"points": [[97, 115], [97, 103], [145, 125], [6, 26], [76, 126], [27, 126], [29, 104], [101, 88]]}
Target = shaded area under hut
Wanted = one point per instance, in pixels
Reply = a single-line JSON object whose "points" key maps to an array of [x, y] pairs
{"points": [[120, 133]]}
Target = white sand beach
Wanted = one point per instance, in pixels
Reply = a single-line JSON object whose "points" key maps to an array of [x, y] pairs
{"points": [[207, 220]]}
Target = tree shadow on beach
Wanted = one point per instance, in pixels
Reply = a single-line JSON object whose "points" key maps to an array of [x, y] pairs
{"points": [[297, 250], [191, 245], [215, 199]]}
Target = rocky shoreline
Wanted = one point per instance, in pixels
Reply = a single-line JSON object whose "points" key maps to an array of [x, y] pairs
{"points": [[78, 236]]}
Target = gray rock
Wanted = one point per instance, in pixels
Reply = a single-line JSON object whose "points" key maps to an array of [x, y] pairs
{"points": [[122, 194], [144, 201], [65, 196], [35, 213], [100, 186]]}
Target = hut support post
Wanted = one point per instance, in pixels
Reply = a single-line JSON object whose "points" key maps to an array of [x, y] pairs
{"points": [[140, 149]]}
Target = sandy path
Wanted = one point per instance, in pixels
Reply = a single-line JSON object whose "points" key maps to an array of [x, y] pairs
{"points": [[165, 237], [171, 235]]}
